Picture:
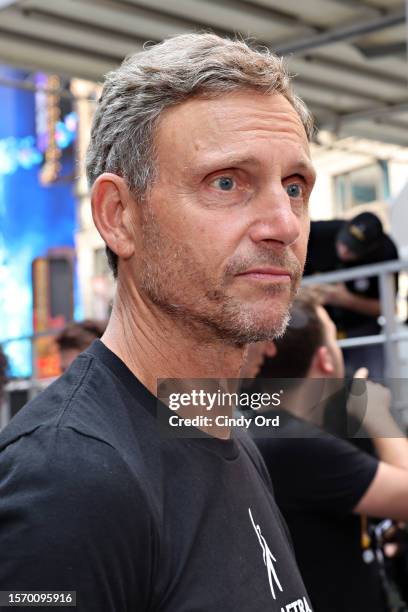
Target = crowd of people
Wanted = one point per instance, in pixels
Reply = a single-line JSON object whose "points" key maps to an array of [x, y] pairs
{"points": [[200, 171], [329, 482]]}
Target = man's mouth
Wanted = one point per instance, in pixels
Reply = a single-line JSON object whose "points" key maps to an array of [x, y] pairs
{"points": [[267, 274]]}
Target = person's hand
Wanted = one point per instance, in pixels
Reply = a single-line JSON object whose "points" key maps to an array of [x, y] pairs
{"points": [[318, 292], [370, 404], [334, 295]]}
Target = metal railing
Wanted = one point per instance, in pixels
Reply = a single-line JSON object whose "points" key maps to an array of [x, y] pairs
{"points": [[389, 336]]}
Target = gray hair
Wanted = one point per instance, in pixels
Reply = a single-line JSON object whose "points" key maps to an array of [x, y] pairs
{"points": [[166, 74]]}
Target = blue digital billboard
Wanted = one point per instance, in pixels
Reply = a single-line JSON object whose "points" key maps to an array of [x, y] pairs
{"points": [[33, 217]]}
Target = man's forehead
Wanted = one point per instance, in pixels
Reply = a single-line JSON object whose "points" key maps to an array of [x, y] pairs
{"points": [[226, 109], [255, 111], [230, 123]]}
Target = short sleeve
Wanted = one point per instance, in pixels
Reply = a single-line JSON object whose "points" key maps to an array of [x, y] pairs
{"points": [[73, 518], [324, 473]]}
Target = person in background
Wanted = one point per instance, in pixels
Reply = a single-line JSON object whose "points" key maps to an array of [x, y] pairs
{"points": [[325, 486], [75, 338], [354, 305]]}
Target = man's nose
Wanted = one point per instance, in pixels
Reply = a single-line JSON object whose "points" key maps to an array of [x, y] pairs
{"points": [[275, 220]]}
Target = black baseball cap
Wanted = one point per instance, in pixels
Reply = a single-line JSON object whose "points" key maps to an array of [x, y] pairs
{"points": [[361, 234]]}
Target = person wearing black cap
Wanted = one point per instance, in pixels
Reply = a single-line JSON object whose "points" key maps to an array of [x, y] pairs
{"points": [[355, 305]]}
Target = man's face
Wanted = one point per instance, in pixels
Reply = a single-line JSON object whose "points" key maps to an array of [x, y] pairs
{"points": [[344, 253], [330, 334], [225, 225]]}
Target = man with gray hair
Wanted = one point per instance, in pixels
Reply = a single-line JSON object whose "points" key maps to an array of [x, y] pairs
{"points": [[201, 174]]}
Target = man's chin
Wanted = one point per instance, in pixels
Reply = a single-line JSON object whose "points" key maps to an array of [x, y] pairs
{"points": [[270, 328], [248, 327], [264, 319]]}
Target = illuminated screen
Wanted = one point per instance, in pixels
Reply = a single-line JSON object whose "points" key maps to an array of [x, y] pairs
{"points": [[33, 217]]}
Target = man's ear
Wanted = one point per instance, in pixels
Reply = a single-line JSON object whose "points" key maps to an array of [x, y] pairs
{"points": [[270, 349], [111, 200], [323, 360]]}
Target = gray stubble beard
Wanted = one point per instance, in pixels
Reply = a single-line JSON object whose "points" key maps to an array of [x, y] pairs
{"points": [[230, 322]]}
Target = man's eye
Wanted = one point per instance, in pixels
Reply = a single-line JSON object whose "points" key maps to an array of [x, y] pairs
{"points": [[225, 183], [294, 190]]}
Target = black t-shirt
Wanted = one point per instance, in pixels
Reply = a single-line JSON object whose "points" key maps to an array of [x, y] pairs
{"points": [[93, 499], [322, 257], [318, 480]]}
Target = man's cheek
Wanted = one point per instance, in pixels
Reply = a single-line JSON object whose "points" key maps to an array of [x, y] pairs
{"points": [[301, 248]]}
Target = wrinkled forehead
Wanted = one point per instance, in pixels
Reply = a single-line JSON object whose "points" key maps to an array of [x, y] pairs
{"points": [[201, 125]]}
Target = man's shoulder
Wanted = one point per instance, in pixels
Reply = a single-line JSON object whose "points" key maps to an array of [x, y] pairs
{"points": [[89, 399], [58, 467], [56, 453], [49, 407], [89, 413]]}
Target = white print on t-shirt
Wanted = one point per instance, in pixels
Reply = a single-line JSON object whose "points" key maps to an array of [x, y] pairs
{"points": [[268, 557], [300, 605]]}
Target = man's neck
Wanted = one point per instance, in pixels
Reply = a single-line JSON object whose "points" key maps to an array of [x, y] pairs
{"points": [[154, 344]]}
